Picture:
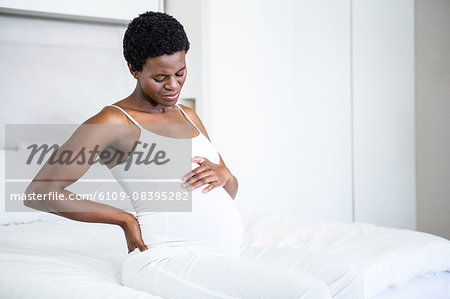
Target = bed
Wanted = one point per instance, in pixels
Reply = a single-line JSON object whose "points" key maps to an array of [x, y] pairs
{"points": [[46, 256], [53, 257]]}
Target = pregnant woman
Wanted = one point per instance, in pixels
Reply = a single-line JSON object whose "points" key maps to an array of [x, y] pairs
{"points": [[184, 254]]}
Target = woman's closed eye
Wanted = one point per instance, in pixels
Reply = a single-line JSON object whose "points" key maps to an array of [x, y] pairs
{"points": [[162, 78]]}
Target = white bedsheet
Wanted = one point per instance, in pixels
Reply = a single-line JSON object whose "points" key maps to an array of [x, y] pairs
{"points": [[69, 259], [63, 259]]}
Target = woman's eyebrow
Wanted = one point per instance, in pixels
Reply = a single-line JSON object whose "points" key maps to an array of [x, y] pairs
{"points": [[175, 72]]}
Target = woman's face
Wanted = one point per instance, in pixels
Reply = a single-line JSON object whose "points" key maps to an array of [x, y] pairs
{"points": [[162, 78]]}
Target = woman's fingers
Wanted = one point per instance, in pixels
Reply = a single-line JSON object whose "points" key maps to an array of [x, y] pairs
{"points": [[142, 247], [133, 236], [198, 159], [208, 173], [203, 166], [200, 176], [203, 181], [130, 249], [137, 244], [209, 188]]}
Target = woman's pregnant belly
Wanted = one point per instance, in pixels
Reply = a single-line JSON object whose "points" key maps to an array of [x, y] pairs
{"points": [[214, 225]]}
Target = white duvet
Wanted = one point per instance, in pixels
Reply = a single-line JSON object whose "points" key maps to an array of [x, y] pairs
{"points": [[69, 259], [387, 256]]}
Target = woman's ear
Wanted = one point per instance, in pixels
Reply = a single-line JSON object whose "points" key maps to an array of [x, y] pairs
{"points": [[133, 72]]}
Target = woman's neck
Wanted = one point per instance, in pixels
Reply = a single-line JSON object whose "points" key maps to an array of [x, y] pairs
{"points": [[142, 102]]}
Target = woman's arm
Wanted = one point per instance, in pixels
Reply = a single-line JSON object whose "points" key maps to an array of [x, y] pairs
{"points": [[232, 184], [94, 135]]}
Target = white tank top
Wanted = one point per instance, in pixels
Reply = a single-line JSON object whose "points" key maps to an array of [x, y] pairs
{"points": [[214, 225]]}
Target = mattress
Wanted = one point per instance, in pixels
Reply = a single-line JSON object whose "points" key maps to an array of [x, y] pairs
{"points": [[70, 259]]}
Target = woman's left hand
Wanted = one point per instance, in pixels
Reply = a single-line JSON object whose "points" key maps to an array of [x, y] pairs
{"points": [[208, 173]]}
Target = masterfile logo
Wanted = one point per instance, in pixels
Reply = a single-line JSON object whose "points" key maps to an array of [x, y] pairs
{"points": [[109, 164]]}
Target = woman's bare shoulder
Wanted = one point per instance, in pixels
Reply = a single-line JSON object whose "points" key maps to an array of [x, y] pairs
{"points": [[108, 115], [195, 118], [192, 114]]}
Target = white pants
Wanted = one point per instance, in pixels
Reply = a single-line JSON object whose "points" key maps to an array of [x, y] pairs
{"points": [[256, 273]]}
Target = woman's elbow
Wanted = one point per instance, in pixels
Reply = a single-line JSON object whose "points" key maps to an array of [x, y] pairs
{"points": [[34, 192], [30, 191]]}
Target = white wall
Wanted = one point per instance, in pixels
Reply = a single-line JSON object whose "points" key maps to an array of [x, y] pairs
{"points": [[383, 97], [433, 116], [281, 104], [190, 15], [311, 104], [279, 97]]}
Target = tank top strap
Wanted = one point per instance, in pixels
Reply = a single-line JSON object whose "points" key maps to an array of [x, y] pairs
{"points": [[185, 114], [129, 116]]}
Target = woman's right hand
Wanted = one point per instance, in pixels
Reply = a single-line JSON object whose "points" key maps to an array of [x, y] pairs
{"points": [[133, 234]]}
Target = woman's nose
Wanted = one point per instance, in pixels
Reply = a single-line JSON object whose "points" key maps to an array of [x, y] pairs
{"points": [[171, 83]]}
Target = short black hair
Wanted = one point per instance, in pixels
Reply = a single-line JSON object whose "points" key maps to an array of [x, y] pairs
{"points": [[153, 34]]}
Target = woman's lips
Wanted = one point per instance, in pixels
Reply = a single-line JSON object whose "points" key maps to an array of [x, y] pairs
{"points": [[172, 96]]}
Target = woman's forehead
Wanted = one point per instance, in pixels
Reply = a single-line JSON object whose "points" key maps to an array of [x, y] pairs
{"points": [[166, 63]]}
